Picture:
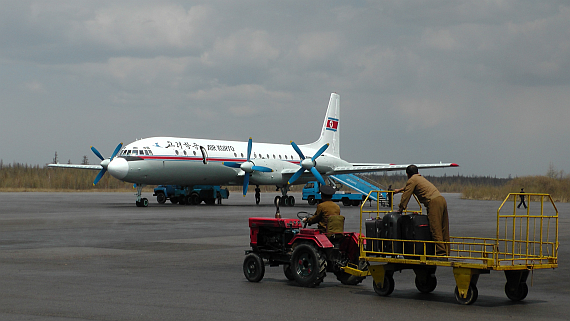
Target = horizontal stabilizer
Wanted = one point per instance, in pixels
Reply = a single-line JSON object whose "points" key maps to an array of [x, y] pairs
{"points": [[92, 167], [383, 168]]}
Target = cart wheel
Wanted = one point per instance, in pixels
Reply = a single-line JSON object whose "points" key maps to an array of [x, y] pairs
{"points": [[516, 292], [253, 268], [388, 287], [472, 294], [288, 273], [308, 265], [426, 286]]}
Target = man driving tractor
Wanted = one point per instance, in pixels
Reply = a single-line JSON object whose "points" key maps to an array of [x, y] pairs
{"points": [[325, 209]]}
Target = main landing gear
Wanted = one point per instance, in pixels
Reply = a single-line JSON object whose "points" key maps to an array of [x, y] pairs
{"points": [[284, 200], [141, 202]]}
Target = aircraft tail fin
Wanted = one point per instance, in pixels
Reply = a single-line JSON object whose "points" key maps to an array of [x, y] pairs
{"points": [[330, 129]]}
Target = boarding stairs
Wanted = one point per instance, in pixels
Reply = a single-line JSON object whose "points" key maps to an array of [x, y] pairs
{"points": [[360, 185]]}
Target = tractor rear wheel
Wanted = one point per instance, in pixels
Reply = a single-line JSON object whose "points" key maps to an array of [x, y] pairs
{"points": [[288, 272], [308, 265]]}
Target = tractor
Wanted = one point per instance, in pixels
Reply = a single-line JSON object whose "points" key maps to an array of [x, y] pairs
{"points": [[305, 254]]}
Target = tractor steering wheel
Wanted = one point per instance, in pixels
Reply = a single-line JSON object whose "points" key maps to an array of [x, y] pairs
{"points": [[302, 215]]}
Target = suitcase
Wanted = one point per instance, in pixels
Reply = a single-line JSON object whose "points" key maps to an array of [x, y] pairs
{"points": [[373, 227], [391, 230], [416, 227]]}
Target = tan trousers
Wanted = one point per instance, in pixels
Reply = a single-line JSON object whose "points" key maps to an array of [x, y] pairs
{"points": [[439, 224]]}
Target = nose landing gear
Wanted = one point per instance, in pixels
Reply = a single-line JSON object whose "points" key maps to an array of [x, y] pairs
{"points": [[140, 202]]}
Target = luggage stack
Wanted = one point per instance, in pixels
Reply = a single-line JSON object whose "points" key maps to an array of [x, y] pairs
{"points": [[402, 227]]}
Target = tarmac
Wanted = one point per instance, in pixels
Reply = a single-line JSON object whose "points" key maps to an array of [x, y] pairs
{"points": [[96, 256]]}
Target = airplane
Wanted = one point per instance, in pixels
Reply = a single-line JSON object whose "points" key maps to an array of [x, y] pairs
{"points": [[192, 161]]}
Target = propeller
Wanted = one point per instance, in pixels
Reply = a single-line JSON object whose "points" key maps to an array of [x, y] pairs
{"points": [[308, 164], [104, 162], [248, 167]]}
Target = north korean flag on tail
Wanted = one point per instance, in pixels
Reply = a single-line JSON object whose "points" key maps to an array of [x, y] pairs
{"points": [[332, 124]]}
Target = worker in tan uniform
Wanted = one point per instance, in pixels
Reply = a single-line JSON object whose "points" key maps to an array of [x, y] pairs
{"points": [[435, 204], [325, 209]]}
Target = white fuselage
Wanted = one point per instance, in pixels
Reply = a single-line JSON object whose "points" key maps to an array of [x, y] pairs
{"points": [[188, 162]]}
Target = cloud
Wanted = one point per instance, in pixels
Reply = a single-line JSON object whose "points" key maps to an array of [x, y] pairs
{"points": [[35, 87], [487, 71], [123, 27]]}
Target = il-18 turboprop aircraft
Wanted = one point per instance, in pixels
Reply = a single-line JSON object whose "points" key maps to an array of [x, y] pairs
{"points": [[190, 161]]}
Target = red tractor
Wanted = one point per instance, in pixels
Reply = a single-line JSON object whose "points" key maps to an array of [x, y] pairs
{"points": [[305, 254]]}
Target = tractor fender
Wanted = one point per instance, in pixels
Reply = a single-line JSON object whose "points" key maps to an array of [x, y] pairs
{"points": [[320, 240]]}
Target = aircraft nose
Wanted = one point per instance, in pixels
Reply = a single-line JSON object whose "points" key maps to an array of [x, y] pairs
{"points": [[118, 168]]}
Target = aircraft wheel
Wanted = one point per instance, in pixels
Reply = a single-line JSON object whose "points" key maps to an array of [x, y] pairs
{"points": [[291, 201], [277, 201], [285, 201], [143, 203]]}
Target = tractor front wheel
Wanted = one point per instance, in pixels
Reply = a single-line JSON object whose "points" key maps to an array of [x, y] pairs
{"points": [[253, 267]]}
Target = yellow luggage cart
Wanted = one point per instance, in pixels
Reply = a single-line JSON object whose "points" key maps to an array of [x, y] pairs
{"points": [[525, 240]]}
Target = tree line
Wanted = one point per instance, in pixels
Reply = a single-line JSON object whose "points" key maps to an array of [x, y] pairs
{"points": [[16, 177]]}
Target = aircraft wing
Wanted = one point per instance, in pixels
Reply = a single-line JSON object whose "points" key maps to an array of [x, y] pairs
{"points": [[93, 167], [369, 167], [361, 168]]}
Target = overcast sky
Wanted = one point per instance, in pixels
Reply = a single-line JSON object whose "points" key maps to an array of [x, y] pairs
{"points": [[485, 84]]}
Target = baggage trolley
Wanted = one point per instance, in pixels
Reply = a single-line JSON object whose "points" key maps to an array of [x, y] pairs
{"points": [[525, 240]]}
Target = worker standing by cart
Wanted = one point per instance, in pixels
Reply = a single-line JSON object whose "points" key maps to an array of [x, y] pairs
{"points": [[435, 204]]}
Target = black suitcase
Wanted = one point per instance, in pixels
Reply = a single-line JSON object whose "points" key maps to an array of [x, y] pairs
{"points": [[391, 230], [373, 227], [416, 227]]}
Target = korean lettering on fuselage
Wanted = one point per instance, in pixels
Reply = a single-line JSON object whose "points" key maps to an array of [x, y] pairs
{"points": [[186, 145]]}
